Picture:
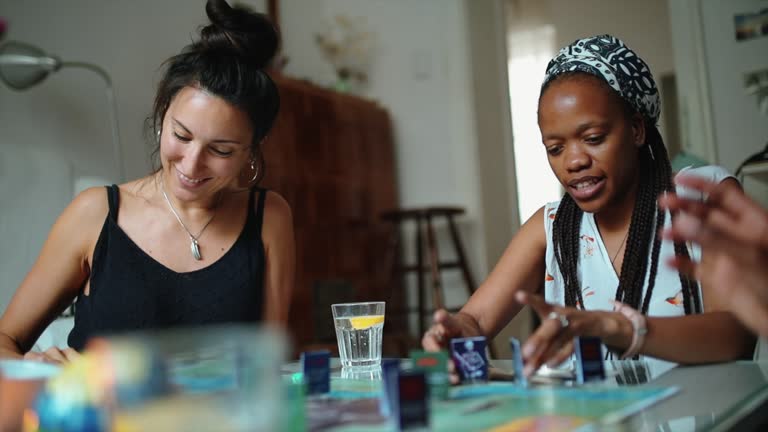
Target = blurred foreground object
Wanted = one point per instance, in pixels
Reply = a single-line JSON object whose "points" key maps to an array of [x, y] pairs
{"points": [[20, 381], [198, 379]]}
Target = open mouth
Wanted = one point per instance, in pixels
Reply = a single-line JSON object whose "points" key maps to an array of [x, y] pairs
{"points": [[586, 188]]}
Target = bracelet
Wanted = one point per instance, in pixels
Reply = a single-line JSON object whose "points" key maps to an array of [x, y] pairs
{"points": [[638, 325]]}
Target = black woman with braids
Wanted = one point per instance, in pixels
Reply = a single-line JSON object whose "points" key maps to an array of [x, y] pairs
{"points": [[196, 242], [594, 263]]}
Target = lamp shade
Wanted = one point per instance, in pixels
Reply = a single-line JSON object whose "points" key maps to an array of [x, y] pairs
{"points": [[23, 66]]}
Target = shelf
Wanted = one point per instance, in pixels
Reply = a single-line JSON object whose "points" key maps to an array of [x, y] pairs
{"points": [[755, 168]]}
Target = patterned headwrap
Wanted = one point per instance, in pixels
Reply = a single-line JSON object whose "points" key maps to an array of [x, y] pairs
{"points": [[607, 57]]}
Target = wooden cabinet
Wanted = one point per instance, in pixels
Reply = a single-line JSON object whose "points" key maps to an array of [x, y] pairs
{"points": [[331, 156]]}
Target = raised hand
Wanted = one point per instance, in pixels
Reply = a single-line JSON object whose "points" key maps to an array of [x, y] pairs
{"points": [[447, 326], [733, 233]]}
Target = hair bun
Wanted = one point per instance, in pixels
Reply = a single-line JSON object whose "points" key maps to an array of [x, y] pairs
{"points": [[239, 31]]}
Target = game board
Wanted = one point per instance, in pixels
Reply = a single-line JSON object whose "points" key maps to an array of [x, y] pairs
{"points": [[496, 406], [547, 405]]}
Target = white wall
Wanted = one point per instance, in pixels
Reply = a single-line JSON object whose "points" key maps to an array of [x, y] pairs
{"points": [[720, 122], [740, 129], [34, 188], [421, 74], [644, 26]]}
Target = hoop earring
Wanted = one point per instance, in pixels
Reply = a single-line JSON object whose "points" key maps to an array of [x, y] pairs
{"points": [[650, 150], [255, 171], [159, 133]]}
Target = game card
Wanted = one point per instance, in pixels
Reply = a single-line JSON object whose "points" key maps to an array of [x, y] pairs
{"points": [[316, 366], [468, 354]]}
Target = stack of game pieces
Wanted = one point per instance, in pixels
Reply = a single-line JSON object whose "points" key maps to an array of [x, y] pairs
{"points": [[469, 356], [316, 366], [435, 366], [589, 359], [390, 372], [404, 398]]}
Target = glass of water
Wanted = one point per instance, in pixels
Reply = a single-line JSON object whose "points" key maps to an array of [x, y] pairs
{"points": [[359, 329]]}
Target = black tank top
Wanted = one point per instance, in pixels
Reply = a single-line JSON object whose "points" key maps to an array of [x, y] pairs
{"points": [[130, 290]]}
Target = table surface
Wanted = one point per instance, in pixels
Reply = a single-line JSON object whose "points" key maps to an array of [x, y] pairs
{"points": [[693, 398]]}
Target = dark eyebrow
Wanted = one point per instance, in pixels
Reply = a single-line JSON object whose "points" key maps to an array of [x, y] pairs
{"points": [[180, 124], [589, 125], [579, 130]]}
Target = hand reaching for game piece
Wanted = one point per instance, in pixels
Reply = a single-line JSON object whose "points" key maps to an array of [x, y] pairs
{"points": [[552, 342], [445, 327]]}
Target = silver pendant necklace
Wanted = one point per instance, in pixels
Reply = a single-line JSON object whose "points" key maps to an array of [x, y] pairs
{"points": [[194, 246]]}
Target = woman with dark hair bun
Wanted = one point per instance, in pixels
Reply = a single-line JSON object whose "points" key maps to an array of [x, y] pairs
{"points": [[197, 241], [592, 264]]}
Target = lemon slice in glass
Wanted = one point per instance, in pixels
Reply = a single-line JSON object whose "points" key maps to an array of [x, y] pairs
{"points": [[363, 322]]}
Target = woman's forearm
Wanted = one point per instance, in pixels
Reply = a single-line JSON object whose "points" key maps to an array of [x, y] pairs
{"points": [[9, 348], [704, 338]]}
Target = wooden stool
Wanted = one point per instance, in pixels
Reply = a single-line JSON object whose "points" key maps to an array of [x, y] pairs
{"points": [[423, 218]]}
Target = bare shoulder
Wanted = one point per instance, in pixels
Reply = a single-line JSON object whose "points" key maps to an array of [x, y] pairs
{"points": [[88, 207], [537, 219], [528, 245], [533, 230], [276, 207], [80, 223], [277, 224]]}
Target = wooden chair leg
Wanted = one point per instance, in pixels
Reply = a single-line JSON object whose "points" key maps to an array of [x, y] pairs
{"points": [[469, 281], [396, 296], [461, 255], [434, 260], [420, 277]]}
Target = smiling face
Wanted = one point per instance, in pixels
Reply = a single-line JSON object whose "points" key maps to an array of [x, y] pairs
{"points": [[591, 140], [204, 146]]}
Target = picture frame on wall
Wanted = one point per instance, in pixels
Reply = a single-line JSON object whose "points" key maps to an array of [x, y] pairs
{"points": [[751, 25]]}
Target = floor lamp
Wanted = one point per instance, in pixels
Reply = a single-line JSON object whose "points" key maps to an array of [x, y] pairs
{"points": [[23, 66]]}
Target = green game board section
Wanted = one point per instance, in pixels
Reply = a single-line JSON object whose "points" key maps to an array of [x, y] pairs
{"points": [[500, 404]]}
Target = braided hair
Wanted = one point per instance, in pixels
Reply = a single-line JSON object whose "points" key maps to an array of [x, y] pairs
{"points": [[655, 174]]}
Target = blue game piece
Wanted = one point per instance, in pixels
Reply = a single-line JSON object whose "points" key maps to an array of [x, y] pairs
{"points": [[517, 362], [469, 356], [390, 371], [316, 366], [412, 403], [589, 359]]}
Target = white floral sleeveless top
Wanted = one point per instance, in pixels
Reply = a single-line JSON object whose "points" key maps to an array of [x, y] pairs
{"points": [[598, 278]]}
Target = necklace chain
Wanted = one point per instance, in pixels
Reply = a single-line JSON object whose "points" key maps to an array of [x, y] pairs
{"points": [[620, 246], [192, 237]]}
